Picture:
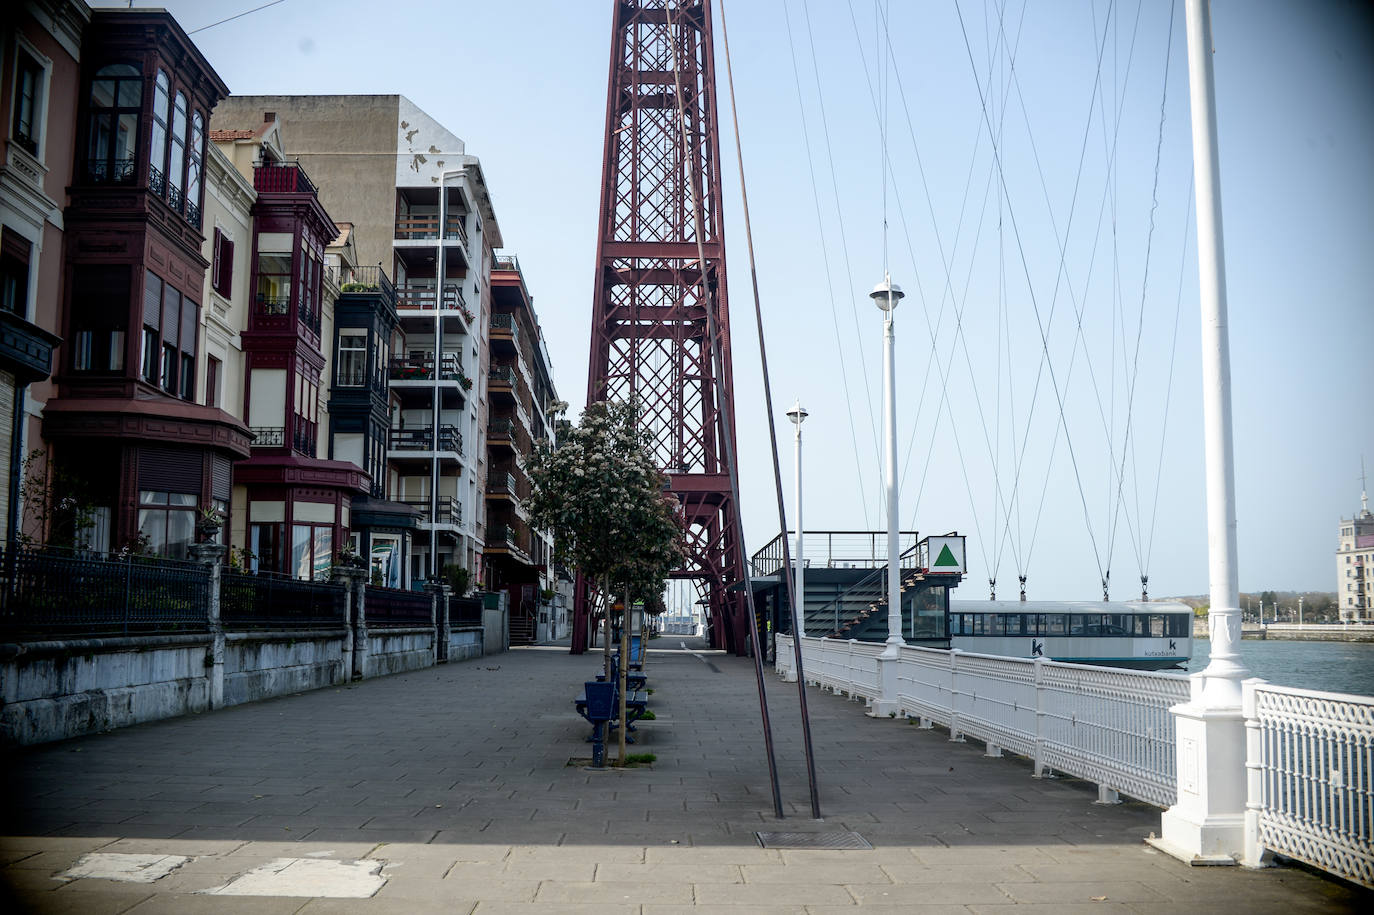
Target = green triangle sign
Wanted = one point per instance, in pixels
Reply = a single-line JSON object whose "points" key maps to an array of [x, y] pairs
{"points": [[946, 558]]}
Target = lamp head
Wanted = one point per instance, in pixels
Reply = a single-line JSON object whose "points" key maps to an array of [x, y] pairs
{"points": [[797, 414], [886, 294]]}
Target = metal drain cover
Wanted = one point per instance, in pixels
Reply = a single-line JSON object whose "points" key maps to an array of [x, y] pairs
{"points": [[843, 841]]}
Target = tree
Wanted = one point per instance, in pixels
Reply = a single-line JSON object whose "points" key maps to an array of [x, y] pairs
{"points": [[607, 505]]}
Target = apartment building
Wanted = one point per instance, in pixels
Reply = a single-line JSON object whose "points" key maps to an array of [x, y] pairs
{"points": [[40, 53], [1355, 564], [523, 405], [126, 421], [422, 213]]}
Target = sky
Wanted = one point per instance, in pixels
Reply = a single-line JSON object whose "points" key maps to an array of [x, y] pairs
{"points": [[1048, 349]]}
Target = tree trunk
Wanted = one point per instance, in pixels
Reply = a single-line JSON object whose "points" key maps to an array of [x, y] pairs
{"points": [[624, 673], [606, 633]]}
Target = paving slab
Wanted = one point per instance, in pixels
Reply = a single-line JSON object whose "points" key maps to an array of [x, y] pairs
{"points": [[463, 797]]}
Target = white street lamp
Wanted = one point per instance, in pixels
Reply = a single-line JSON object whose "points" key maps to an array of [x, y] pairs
{"points": [[886, 295], [798, 415]]}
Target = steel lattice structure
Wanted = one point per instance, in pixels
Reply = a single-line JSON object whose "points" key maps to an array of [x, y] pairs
{"points": [[650, 337]]}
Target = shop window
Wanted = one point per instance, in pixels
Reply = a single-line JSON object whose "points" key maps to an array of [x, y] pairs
{"points": [[115, 101], [168, 520]]}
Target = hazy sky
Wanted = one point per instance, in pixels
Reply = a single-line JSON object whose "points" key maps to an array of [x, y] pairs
{"points": [[1000, 266]]}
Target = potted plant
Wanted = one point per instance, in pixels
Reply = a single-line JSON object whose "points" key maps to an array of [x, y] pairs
{"points": [[209, 523]]}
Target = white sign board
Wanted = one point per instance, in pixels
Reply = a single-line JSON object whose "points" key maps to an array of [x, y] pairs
{"points": [[946, 555]]}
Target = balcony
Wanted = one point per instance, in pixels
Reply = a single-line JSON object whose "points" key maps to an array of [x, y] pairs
{"points": [[268, 436], [504, 330], [402, 368], [25, 349], [502, 484], [450, 439], [364, 280], [450, 511], [425, 227], [106, 171], [503, 375], [281, 178], [424, 297], [501, 431]]}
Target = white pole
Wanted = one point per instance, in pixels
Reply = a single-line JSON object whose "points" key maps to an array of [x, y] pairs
{"points": [[799, 582], [894, 574], [1224, 673], [1300, 612]]}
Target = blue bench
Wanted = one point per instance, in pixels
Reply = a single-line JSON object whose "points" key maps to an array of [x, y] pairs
{"points": [[599, 704]]}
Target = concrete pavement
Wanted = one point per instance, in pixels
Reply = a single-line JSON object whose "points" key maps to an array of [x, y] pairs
{"points": [[451, 790]]}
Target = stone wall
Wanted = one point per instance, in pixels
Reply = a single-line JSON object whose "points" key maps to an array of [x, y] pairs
{"points": [[260, 665]]}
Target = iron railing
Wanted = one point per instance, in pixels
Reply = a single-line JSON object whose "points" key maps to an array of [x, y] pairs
{"points": [[105, 171], [450, 510], [52, 593], [271, 306], [365, 280], [837, 550], [281, 178], [268, 436], [464, 611], [267, 600], [305, 437], [424, 297], [450, 439], [393, 607]]}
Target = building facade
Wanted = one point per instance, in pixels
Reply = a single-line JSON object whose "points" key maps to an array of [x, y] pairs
{"points": [[421, 211], [40, 52], [1355, 564], [126, 424]]}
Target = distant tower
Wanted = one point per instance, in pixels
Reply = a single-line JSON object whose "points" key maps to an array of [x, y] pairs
{"points": [[1355, 561], [649, 336]]}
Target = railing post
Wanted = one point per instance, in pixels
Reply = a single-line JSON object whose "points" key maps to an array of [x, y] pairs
{"points": [[438, 618], [355, 620], [955, 735], [1255, 855], [885, 704], [211, 556], [1038, 761]]}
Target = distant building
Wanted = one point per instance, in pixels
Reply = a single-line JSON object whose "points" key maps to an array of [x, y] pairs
{"points": [[1354, 563]]}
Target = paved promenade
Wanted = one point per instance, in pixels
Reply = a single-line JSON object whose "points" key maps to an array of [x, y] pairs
{"points": [[450, 790]]}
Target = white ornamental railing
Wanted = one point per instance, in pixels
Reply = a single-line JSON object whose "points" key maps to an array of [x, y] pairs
{"points": [[1109, 726], [1310, 762]]}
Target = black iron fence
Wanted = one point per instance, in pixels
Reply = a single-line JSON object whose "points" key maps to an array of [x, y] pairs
{"points": [[394, 607], [267, 601], [464, 611], [53, 593]]}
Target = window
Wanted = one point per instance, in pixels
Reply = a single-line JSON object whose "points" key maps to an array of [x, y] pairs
{"points": [[274, 284], [312, 550], [352, 359], [222, 268], [176, 160], [112, 132], [14, 272], [168, 519], [28, 87], [169, 338], [264, 542], [157, 147], [195, 155], [212, 382], [100, 314]]}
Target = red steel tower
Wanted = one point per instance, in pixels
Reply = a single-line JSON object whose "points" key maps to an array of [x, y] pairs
{"points": [[650, 336]]}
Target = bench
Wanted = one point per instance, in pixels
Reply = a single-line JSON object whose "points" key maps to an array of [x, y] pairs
{"points": [[599, 704]]}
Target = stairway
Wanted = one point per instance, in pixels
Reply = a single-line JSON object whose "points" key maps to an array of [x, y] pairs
{"points": [[522, 629]]}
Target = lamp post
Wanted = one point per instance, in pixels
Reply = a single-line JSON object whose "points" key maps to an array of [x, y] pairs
{"points": [[886, 295], [798, 415]]}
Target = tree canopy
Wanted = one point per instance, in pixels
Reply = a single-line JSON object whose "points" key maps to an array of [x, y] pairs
{"points": [[606, 503]]}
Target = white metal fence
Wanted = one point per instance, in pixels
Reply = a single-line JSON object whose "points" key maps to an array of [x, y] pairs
{"points": [[1109, 726], [1310, 761]]}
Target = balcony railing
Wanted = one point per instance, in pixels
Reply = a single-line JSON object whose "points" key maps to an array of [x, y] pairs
{"points": [[305, 437], [268, 436], [502, 484], [365, 280], [501, 429], [310, 319], [271, 306], [282, 178], [504, 322], [406, 369], [450, 510], [424, 297], [415, 227], [105, 171], [501, 374], [450, 439]]}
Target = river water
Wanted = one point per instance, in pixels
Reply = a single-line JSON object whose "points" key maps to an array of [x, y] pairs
{"points": [[1334, 667]]}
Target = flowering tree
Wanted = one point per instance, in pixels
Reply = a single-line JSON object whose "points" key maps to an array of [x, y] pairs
{"points": [[608, 508]]}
